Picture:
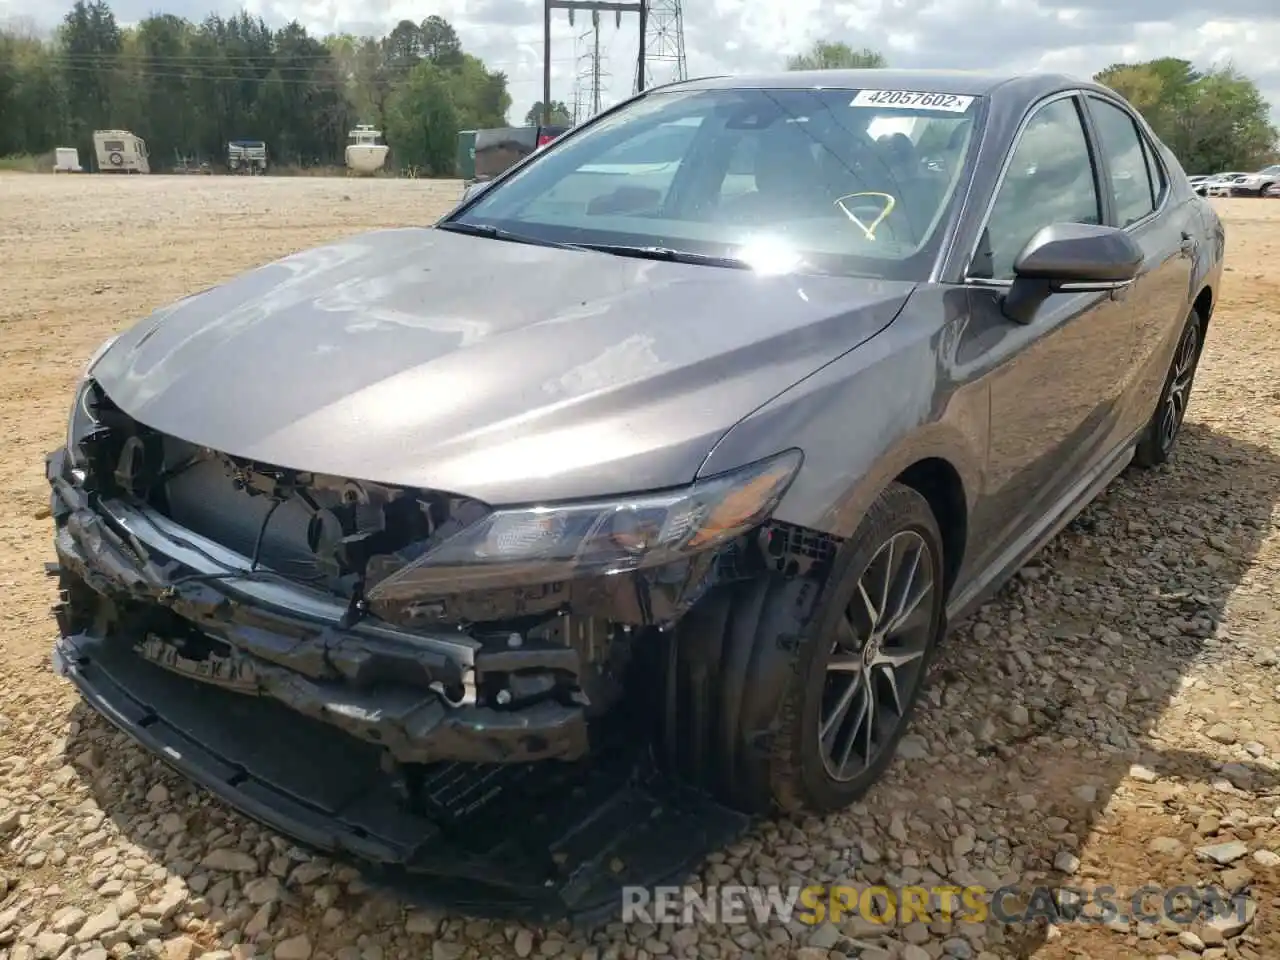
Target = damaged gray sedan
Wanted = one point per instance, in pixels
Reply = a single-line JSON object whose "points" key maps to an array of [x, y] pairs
{"points": [[528, 555]]}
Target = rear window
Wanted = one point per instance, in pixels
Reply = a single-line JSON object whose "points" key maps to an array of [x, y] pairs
{"points": [[113, 146], [850, 182]]}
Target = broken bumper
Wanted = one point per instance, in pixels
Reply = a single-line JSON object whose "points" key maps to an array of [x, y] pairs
{"points": [[534, 841], [463, 819], [411, 693]]}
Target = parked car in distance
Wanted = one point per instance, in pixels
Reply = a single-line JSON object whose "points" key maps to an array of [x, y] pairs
{"points": [[1260, 184], [631, 500], [1198, 183], [1220, 184]]}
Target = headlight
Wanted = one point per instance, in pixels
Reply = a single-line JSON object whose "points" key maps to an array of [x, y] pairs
{"points": [[82, 420], [545, 544]]}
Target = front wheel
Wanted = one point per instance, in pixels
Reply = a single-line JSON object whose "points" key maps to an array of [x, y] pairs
{"points": [[787, 694], [862, 666], [1157, 441]]}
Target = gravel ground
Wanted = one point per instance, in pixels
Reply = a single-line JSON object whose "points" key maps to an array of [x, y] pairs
{"points": [[1110, 718]]}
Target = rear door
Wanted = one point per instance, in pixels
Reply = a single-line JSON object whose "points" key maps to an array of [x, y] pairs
{"points": [[1055, 382], [1164, 227]]}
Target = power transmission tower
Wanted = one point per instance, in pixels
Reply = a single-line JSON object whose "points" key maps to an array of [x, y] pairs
{"points": [[664, 43], [619, 7], [591, 72]]}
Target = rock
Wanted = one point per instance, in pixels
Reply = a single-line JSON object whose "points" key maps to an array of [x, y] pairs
{"points": [[100, 923], [912, 952], [159, 793], [825, 936], [295, 948], [912, 747], [422, 922], [181, 948], [49, 945], [1221, 733], [1192, 942], [1265, 858], [1143, 774], [1066, 862], [445, 950], [1222, 853], [229, 861], [1166, 846], [523, 943], [262, 890], [171, 901], [1231, 923], [68, 921]]}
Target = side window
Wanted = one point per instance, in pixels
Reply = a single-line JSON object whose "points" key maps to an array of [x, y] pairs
{"points": [[1050, 179], [1121, 149], [1159, 184]]}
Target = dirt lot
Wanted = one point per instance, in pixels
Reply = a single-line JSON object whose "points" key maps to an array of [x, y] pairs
{"points": [[1111, 719]]}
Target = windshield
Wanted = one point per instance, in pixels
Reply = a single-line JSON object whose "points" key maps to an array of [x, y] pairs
{"points": [[827, 181]]}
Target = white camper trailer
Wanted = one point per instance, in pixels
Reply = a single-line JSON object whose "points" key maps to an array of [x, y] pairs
{"points": [[66, 160], [365, 152], [119, 151]]}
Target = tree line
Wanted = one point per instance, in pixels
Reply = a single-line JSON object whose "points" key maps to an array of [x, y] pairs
{"points": [[187, 88], [1213, 120]]}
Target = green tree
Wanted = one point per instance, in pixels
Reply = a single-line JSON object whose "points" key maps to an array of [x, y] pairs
{"points": [[836, 55], [1215, 120], [560, 114], [440, 42], [422, 124], [91, 41]]}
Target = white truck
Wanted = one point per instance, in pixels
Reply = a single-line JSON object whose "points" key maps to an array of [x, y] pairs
{"points": [[247, 156], [119, 151]]}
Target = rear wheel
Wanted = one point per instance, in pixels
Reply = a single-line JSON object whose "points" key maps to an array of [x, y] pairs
{"points": [[1157, 441], [807, 693]]}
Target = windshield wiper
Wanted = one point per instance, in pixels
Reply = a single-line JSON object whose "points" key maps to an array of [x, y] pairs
{"points": [[497, 233], [664, 253]]}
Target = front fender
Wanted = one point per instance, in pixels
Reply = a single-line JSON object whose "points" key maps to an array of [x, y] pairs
{"points": [[902, 397]]}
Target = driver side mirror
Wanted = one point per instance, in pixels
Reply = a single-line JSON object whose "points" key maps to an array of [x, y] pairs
{"points": [[1070, 258]]}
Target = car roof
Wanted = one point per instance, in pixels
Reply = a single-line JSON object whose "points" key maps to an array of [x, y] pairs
{"points": [[958, 82]]}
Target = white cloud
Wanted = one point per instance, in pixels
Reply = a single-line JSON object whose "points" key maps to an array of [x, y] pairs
{"points": [[730, 36]]}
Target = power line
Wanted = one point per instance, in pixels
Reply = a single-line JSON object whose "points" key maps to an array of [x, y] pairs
{"points": [[204, 74], [174, 61]]}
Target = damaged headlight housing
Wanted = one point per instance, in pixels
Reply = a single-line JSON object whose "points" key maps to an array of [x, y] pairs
{"points": [[595, 538], [81, 422]]}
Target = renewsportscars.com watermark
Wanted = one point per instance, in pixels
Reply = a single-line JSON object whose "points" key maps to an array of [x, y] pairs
{"points": [[1011, 905]]}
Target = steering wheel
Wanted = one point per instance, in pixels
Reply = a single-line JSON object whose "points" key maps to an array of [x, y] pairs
{"points": [[889, 202]]}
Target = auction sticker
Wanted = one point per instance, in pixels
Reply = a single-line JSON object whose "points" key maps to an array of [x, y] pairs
{"points": [[911, 100]]}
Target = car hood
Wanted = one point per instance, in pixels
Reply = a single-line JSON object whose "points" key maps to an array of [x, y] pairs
{"points": [[504, 371]]}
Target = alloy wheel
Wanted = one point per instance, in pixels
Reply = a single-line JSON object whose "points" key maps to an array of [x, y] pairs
{"points": [[1184, 368], [877, 657]]}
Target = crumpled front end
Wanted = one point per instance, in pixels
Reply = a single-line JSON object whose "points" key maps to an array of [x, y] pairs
{"points": [[220, 612]]}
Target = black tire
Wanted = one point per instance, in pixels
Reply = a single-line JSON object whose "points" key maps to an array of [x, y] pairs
{"points": [[1161, 434], [750, 674]]}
